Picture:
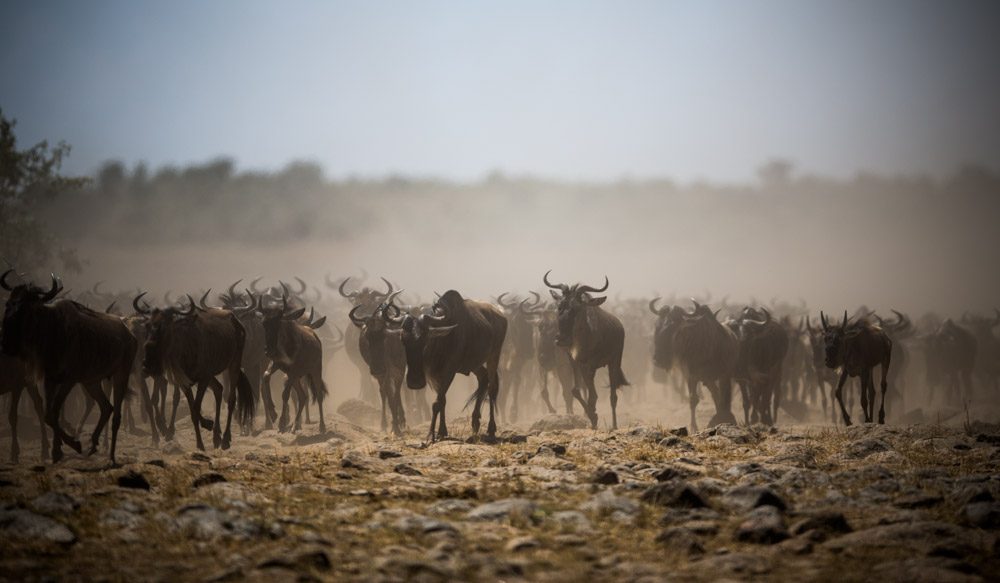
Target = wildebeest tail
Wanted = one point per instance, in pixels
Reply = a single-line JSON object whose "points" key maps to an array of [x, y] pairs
{"points": [[617, 376], [480, 394], [318, 389], [245, 401]]}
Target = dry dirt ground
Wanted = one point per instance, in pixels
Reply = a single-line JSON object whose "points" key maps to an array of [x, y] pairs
{"points": [[553, 502]]}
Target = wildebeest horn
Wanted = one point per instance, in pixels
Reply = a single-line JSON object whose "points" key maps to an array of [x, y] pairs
{"points": [[808, 324], [822, 319], [191, 306], [767, 315], [844, 323], [302, 284], [204, 298], [3, 280], [340, 289], [559, 286], [652, 306], [388, 285], [253, 284], [294, 315], [53, 291], [136, 307], [359, 322], [253, 305], [538, 299], [94, 290], [232, 290], [312, 313], [589, 289], [507, 306], [318, 323], [527, 310], [110, 307]]}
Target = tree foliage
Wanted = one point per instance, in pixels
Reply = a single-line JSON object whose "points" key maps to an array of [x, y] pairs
{"points": [[30, 178]]}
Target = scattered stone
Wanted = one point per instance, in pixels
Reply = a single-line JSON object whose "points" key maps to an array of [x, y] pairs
{"points": [[762, 525], [681, 540], [407, 470], [924, 537], [384, 454], [679, 431], [571, 519], [675, 494], [206, 479], [918, 500], [827, 523], [21, 524], [133, 479], [605, 476], [204, 522], [522, 543], [982, 514], [55, 503], [865, 447], [554, 448], [200, 457], [754, 469], [748, 497], [608, 503], [449, 506], [676, 442], [159, 463], [673, 472], [507, 508], [359, 412]]}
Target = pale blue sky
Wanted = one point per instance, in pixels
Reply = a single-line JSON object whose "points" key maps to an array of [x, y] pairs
{"points": [[588, 90]]}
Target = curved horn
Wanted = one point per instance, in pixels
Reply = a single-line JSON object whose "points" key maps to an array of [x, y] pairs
{"points": [[110, 307], [253, 284], [538, 299], [822, 318], [191, 306], [53, 291], [559, 286], [767, 315], [844, 323], [204, 298], [359, 322], [652, 305], [808, 324], [388, 285], [232, 290], [94, 290], [312, 314], [527, 310], [3, 280], [301, 284], [340, 335], [138, 309], [507, 306], [253, 305], [340, 289], [589, 289]]}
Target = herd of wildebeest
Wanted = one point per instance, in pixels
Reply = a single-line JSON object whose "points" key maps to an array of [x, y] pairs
{"points": [[779, 355]]}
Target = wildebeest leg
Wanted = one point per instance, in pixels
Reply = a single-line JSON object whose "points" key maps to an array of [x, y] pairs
{"points": [[118, 392], [270, 414], [693, 399], [776, 388], [545, 392], [493, 371], [438, 408], [885, 387], [147, 406], [302, 403], [614, 407], [591, 404], [36, 400], [865, 379], [839, 393], [194, 405], [213, 383], [96, 393], [383, 393], [745, 394], [88, 407], [55, 397], [315, 379], [481, 392], [283, 419], [15, 449]]}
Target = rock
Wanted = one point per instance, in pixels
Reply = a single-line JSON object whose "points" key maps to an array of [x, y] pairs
{"points": [[673, 472], [121, 518], [733, 433], [133, 479], [172, 448], [359, 412], [449, 506], [571, 519], [507, 508], [159, 463], [607, 503], [982, 514], [924, 537], [553, 448], [800, 545], [675, 494], [679, 431], [826, 523], [748, 497], [200, 457], [560, 423], [759, 472], [314, 559], [55, 503], [204, 522], [21, 524], [206, 479], [419, 524], [918, 500], [522, 543], [676, 442], [865, 447], [926, 570], [762, 525], [740, 564], [605, 476], [231, 495], [384, 454], [681, 540], [407, 470]]}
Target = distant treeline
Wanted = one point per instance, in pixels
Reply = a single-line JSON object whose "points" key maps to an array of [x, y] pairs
{"points": [[216, 202]]}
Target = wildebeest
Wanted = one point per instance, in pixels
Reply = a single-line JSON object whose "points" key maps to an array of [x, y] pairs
{"points": [[552, 359], [13, 381], [519, 347], [458, 336], [898, 331], [951, 353], [857, 348], [595, 338], [987, 370], [706, 352], [763, 344], [822, 375], [293, 348], [383, 351], [254, 359], [368, 299], [193, 346], [65, 344]]}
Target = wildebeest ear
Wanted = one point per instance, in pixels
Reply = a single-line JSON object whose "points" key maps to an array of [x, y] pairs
{"points": [[555, 295], [436, 331], [318, 323], [596, 301], [294, 315]]}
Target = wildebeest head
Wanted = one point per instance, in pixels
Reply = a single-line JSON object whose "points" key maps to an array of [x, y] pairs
{"points": [[375, 328], [365, 296], [272, 317], [23, 301], [834, 339], [415, 331], [668, 317], [753, 321], [159, 325], [572, 302]]}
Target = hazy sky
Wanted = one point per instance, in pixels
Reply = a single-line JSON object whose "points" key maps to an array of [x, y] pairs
{"points": [[561, 89]]}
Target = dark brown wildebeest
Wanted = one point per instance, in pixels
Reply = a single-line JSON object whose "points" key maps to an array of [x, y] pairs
{"points": [[254, 359], [552, 358], [367, 299], [519, 347], [293, 348], [386, 358], [762, 349], [594, 338], [951, 353], [857, 348], [706, 352], [822, 375], [194, 346], [898, 331], [987, 369], [459, 336], [13, 381], [66, 344], [668, 318]]}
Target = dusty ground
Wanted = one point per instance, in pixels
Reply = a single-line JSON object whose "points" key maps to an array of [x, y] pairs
{"points": [[548, 503]]}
